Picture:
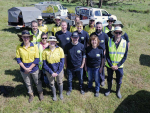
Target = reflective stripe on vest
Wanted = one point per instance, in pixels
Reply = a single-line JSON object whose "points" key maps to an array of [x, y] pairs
{"points": [[116, 55]]}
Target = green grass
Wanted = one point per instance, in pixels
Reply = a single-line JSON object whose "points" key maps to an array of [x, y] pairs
{"points": [[136, 82]]}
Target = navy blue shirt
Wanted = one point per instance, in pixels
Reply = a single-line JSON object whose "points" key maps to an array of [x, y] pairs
{"points": [[94, 57], [124, 36], [75, 55], [123, 59], [83, 37], [103, 37], [63, 38]]}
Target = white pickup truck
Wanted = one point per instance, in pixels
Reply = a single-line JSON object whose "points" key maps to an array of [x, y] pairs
{"points": [[86, 13]]}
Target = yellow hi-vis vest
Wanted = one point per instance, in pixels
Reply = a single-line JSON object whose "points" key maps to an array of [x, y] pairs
{"points": [[40, 47], [36, 39], [116, 55], [106, 30]]}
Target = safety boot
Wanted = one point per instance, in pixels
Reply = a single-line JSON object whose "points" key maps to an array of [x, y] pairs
{"points": [[54, 93], [61, 91], [41, 97], [118, 91], [31, 96], [109, 88]]}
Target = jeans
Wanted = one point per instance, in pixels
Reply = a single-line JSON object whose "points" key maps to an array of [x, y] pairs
{"points": [[93, 72], [119, 75], [75, 72]]}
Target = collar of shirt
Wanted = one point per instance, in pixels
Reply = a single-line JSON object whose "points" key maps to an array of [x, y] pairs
{"points": [[31, 44], [48, 47], [36, 33], [74, 44], [65, 32], [80, 32], [57, 25]]}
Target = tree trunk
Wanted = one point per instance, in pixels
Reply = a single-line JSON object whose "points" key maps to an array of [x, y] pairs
{"points": [[87, 2], [100, 3], [68, 1], [63, 0]]}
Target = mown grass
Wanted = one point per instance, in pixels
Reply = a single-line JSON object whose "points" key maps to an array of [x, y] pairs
{"points": [[136, 82]]}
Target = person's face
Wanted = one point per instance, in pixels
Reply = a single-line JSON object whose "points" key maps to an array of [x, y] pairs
{"points": [[74, 40], [99, 28], [26, 39], [92, 22], [64, 26], [34, 26], [79, 27], [118, 34], [57, 21], [52, 43], [77, 20], [94, 42], [117, 25], [44, 39], [110, 22], [40, 21]]}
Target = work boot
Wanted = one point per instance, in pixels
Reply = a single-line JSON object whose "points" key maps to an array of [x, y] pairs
{"points": [[102, 83], [61, 91], [82, 91], [68, 93], [41, 97], [31, 96], [54, 93], [96, 94], [118, 91], [109, 88]]}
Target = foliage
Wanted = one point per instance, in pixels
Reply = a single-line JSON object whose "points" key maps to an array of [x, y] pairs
{"points": [[49, 9]]}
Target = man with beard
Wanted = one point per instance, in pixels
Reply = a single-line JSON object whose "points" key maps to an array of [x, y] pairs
{"points": [[103, 37], [91, 27]]}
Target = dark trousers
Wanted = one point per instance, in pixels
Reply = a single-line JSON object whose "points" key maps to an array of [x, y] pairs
{"points": [[119, 75], [102, 75], [75, 72]]}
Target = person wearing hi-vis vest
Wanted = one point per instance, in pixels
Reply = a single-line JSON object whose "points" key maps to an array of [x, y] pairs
{"points": [[27, 55], [41, 26], [91, 27], [35, 32], [109, 27], [57, 26], [73, 27], [116, 54], [53, 63]]}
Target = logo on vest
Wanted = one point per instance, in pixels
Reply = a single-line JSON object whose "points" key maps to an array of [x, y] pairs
{"points": [[78, 51], [67, 38], [102, 41], [97, 55], [82, 38]]}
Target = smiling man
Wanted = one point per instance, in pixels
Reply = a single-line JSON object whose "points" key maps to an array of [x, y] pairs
{"points": [[74, 61]]}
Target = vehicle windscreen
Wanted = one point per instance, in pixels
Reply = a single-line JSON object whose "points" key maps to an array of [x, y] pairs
{"points": [[84, 11]]}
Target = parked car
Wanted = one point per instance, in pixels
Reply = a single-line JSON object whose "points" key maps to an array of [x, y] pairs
{"points": [[22, 16], [49, 16], [85, 13]]}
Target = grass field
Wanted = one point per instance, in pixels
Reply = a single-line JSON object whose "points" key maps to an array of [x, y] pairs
{"points": [[136, 82]]}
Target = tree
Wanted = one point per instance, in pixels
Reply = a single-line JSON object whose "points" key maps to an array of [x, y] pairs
{"points": [[100, 3]]}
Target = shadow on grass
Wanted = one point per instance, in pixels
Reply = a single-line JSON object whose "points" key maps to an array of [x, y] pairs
{"points": [[137, 103], [14, 30], [144, 60]]}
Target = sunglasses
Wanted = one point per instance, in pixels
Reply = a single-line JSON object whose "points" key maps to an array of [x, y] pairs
{"points": [[44, 38], [111, 21], [92, 20], [39, 19], [79, 26], [118, 33]]}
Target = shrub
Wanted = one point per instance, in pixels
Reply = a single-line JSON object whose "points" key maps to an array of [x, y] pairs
{"points": [[49, 9]]}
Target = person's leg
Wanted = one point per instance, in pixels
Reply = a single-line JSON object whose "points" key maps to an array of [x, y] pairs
{"points": [[70, 77], [28, 82], [109, 80], [37, 81], [59, 79], [79, 73], [90, 77], [97, 81], [119, 76], [51, 80], [102, 76]]}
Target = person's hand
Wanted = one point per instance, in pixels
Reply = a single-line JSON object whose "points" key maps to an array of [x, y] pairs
{"points": [[114, 68], [100, 70], [54, 74], [27, 70], [81, 67]]}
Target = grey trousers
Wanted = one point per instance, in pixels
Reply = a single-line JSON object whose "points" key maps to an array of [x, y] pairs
{"points": [[28, 81], [59, 78]]}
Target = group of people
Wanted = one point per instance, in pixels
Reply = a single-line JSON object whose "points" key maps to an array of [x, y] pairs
{"points": [[81, 51]]}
